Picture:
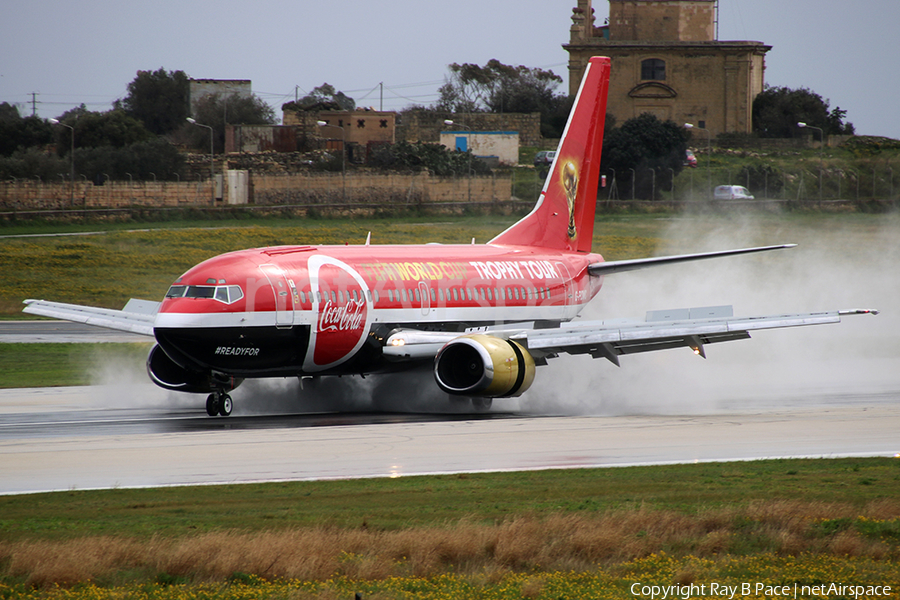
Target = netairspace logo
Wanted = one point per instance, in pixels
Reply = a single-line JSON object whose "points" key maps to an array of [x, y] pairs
{"points": [[829, 590]]}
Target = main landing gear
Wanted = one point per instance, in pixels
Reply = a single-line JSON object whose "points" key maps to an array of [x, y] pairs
{"points": [[219, 403]]}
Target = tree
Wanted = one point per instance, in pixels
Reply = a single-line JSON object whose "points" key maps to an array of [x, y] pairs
{"points": [[158, 99], [777, 110], [17, 133], [217, 110], [644, 143], [97, 129], [324, 97], [500, 88], [142, 160], [420, 156]]}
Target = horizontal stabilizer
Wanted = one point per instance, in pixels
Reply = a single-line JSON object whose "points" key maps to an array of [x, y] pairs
{"points": [[618, 266]]}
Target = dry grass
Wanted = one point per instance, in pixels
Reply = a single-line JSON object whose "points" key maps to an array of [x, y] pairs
{"points": [[555, 542]]}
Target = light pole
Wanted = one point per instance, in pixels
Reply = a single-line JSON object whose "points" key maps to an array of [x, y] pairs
{"points": [[468, 152], [343, 157], [212, 168], [802, 125], [71, 161], [708, 154]]}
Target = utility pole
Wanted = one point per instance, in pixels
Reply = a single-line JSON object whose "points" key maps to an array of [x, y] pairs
{"points": [[34, 104]]}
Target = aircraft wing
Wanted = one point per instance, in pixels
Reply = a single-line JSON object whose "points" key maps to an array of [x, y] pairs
{"points": [[137, 316], [662, 329], [692, 328]]}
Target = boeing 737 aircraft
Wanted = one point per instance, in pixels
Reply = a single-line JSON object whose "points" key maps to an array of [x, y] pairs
{"points": [[484, 315]]}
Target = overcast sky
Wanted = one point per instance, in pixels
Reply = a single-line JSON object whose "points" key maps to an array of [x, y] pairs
{"points": [[70, 53]]}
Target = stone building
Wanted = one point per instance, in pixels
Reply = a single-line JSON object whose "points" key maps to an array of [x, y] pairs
{"points": [[361, 130], [667, 61]]}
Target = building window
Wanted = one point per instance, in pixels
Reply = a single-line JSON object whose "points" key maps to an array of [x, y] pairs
{"points": [[383, 123], [653, 68], [361, 123]]}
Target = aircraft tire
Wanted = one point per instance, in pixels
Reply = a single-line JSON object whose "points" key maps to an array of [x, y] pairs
{"points": [[225, 405], [212, 405]]}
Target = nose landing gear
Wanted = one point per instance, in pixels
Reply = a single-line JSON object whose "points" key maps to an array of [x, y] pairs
{"points": [[219, 403]]}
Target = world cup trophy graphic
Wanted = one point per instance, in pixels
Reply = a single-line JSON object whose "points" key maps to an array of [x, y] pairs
{"points": [[570, 185]]}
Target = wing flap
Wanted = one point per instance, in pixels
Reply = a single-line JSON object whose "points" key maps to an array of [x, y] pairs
{"points": [[612, 339], [138, 316]]}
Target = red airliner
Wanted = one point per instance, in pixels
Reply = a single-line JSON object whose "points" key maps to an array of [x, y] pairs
{"points": [[483, 315]]}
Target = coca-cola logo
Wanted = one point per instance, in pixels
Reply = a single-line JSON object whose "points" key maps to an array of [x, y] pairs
{"points": [[343, 313], [348, 317]]}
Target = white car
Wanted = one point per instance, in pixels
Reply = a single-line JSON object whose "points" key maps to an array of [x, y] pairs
{"points": [[732, 192]]}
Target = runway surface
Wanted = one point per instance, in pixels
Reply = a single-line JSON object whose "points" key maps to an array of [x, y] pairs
{"points": [[58, 439]]}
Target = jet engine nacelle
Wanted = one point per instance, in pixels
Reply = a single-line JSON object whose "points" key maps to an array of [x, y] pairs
{"points": [[167, 374], [483, 365]]}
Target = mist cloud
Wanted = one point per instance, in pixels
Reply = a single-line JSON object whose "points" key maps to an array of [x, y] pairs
{"points": [[840, 263]]}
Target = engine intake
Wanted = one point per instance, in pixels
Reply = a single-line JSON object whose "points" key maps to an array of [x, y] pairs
{"points": [[167, 374], [483, 365]]}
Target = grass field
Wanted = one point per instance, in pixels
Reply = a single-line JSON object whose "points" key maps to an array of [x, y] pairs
{"points": [[602, 525]]}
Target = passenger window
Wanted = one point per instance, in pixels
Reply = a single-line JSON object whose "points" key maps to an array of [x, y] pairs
{"points": [[433, 299], [455, 295], [303, 297]]}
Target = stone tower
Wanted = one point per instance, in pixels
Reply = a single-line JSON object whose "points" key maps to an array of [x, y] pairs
{"points": [[667, 61]]}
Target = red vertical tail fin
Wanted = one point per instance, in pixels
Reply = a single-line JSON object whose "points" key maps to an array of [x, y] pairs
{"points": [[563, 218]]}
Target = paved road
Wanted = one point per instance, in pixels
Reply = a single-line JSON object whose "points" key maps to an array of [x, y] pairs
{"points": [[62, 438]]}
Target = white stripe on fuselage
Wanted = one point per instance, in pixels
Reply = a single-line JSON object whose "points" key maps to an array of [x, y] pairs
{"points": [[440, 314]]}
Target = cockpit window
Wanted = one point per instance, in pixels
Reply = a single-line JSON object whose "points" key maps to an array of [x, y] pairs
{"points": [[176, 291], [201, 291], [227, 294], [235, 293]]}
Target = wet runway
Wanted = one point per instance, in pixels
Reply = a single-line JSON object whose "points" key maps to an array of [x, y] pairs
{"points": [[811, 392], [59, 439]]}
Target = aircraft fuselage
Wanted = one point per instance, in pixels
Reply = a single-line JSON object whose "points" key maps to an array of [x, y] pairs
{"points": [[305, 310]]}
